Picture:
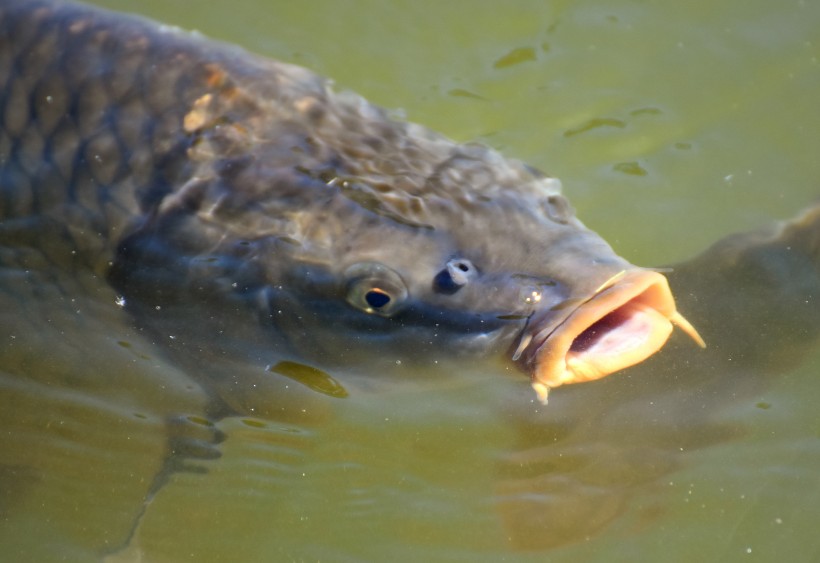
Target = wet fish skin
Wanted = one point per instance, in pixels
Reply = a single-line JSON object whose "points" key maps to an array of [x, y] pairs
{"points": [[194, 175]]}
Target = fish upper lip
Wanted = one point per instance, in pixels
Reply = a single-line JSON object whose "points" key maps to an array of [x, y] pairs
{"points": [[621, 324]]}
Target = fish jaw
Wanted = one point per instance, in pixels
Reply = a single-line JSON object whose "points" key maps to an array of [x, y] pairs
{"points": [[627, 320]]}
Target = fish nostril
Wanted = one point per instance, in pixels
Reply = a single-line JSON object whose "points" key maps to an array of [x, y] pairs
{"points": [[461, 271], [455, 275], [443, 283]]}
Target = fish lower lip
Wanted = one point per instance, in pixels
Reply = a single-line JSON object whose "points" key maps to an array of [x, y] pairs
{"points": [[618, 327]]}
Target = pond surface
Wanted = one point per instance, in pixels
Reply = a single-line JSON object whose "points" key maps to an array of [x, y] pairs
{"points": [[671, 125]]}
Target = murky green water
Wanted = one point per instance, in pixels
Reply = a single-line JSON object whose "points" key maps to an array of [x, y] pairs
{"points": [[671, 124]]}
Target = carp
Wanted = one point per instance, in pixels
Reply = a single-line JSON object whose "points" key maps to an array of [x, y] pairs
{"points": [[241, 212], [183, 170]]}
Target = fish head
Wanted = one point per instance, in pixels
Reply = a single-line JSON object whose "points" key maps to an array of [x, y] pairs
{"points": [[386, 242], [478, 256]]}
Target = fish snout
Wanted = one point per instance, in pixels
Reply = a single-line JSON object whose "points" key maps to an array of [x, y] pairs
{"points": [[621, 323]]}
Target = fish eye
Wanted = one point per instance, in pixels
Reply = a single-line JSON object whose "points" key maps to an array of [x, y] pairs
{"points": [[374, 288], [455, 275]]}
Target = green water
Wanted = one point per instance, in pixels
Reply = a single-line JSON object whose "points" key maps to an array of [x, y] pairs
{"points": [[671, 124]]}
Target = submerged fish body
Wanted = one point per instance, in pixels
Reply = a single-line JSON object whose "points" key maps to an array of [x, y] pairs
{"points": [[195, 176]]}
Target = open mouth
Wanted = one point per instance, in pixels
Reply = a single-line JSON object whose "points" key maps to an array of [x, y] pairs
{"points": [[626, 320]]}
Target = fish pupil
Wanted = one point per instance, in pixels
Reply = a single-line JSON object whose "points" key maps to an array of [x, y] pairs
{"points": [[376, 298]]}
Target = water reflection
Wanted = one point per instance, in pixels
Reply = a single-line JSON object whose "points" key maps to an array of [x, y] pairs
{"points": [[469, 466]]}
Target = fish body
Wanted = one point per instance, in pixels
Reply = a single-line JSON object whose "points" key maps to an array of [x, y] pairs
{"points": [[193, 175], [237, 207]]}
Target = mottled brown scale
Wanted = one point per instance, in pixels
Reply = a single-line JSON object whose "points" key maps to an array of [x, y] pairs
{"points": [[89, 100]]}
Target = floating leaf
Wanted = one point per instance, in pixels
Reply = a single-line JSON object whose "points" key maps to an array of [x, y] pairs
{"points": [[514, 57], [631, 168], [312, 377]]}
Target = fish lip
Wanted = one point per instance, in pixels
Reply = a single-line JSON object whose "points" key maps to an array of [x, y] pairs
{"points": [[617, 327]]}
